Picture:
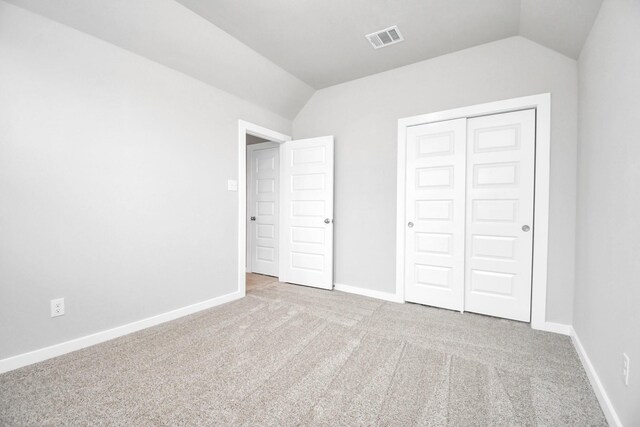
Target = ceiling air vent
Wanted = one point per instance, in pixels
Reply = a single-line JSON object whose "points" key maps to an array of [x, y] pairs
{"points": [[385, 37]]}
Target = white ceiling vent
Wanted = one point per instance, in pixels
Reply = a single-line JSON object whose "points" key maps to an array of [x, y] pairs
{"points": [[385, 37]]}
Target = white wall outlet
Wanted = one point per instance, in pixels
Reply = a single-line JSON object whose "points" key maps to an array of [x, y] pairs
{"points": [[57, 307], [625, 368], [232, 185]]}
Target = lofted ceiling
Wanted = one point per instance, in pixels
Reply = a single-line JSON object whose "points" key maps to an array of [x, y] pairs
{"points": [[275, 53], [322, 41], [168, 33]]}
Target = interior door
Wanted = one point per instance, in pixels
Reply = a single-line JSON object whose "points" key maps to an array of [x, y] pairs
{"points": [[264, 177], [499, 241], [435, 214], [306, 251]]}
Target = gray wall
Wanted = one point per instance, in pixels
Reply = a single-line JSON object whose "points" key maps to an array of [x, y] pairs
{"points": [[113, 184], [363, 114], [607, 294]]}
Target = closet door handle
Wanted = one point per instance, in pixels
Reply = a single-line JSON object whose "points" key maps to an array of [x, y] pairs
{"points": [[410, 225], [253, 218], [526, 228]]}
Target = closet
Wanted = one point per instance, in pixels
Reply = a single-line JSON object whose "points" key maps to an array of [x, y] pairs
{"points": [[469, 214]]}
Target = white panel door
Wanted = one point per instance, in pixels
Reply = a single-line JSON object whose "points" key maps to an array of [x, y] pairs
{"points": [[435, 181], [500, 178], [306, 251], [263, 208]]}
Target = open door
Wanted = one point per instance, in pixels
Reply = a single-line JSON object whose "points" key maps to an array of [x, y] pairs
{"points": [[306, 203]]}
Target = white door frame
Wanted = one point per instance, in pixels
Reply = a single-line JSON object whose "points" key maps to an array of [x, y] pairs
{"points": [[542, 104], [245, 128]]}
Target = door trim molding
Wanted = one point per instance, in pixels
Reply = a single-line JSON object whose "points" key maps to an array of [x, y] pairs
{"points": [[542, 104], [245, 128]]}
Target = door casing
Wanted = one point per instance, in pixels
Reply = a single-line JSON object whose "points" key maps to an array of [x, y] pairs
{"points": [[542, 104]]}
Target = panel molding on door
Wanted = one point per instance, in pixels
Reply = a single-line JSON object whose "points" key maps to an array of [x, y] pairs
{"points": [[434, 223], [499, 223], [264, 208], [306, 183]]}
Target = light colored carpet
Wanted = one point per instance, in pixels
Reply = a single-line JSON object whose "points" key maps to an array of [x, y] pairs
{"points": [[291, 355]]}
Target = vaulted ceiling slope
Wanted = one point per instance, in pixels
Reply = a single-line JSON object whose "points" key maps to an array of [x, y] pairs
{"points": [[322, 41], [276, 53], [170, 34]]}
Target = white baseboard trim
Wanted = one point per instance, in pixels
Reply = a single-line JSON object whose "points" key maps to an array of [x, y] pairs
{"points": [[55, 350], [558, 328], [366, 292], [596, 384]]}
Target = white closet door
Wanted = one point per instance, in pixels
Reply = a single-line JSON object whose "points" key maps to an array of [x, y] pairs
{"points": [[264, 207], [434, 252], [307, 212], [500, 178]]}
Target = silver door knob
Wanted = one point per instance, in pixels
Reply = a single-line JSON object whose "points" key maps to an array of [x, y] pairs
{"points": [[410, 225], [526, 228], [253, 218], [327, 221]]}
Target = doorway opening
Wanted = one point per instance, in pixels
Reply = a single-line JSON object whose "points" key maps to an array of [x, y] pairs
{"points": [[285, 207], [263, 188], [258, 203]]}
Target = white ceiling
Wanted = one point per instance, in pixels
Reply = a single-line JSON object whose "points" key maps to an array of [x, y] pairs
{"points": [[274, 53], [562, 25], [322, 41]]}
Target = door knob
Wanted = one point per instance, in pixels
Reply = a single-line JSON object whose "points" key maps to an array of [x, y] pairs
{"points": [[410, 225], [253, 218], [327, 221], [526, 228]]}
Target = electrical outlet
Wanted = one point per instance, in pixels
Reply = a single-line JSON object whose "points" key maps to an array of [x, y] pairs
{"points": [[57, 307], [625, 368]]}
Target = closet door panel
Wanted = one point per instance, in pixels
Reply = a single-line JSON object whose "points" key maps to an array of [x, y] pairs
{"points": [[435, 180], [499, 214]]}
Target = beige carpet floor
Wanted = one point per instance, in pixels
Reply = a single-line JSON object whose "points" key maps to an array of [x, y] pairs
{"points": [[291, 355]]}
